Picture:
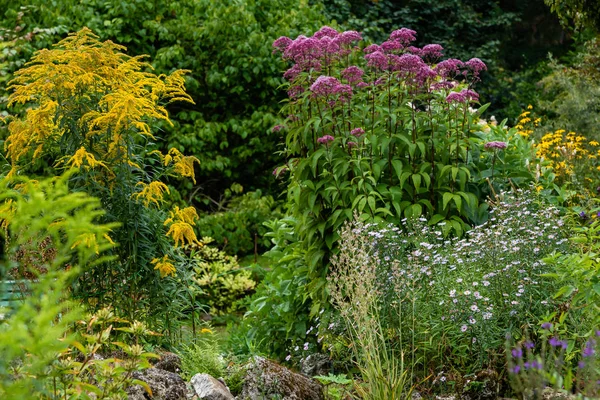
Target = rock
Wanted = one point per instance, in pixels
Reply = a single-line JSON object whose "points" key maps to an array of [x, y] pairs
{"points": [[208, 388], [267, 379], [553, 394], [165, 385], [315, 364], [169, 362], [487, 386]]}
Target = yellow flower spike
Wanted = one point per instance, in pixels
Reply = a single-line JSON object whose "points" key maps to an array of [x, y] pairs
{"points": [[87, 240], [152, 193], [205, 330], [164, 266], [180, 224], [82, 157]]}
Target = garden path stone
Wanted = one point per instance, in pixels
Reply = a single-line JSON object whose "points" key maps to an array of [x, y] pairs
{"points": [[266, 379], [208, 388], [165, 385]]}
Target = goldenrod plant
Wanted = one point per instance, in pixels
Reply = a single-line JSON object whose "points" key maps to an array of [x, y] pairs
{"points": [[86, 104]]}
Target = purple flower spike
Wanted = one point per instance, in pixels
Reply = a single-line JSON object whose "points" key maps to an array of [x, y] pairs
{"points": [[529, 344], [517, 353], [515, 369], [554, 341], [581, 364]]}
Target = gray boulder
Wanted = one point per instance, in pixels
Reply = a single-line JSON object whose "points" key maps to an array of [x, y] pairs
{"points": [[315, 364], [165, 385], [208, 388], [169, 362], [266, 379]]}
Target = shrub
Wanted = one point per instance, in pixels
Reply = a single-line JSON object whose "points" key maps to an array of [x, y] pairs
{"points": [[202, 357], [220, 278], [92, 107]]}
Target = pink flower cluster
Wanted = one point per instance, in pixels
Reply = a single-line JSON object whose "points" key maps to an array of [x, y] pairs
{"points": [[464, 96], [323, 48], [325, 139], [495, 145], [326, 86]]}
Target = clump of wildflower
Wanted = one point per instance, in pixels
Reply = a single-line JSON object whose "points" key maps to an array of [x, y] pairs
{"points": [[495, 145]]}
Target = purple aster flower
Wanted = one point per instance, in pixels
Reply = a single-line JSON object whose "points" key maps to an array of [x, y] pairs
{"points": [[326, 31], [404, 35], [358, 132], [325, 139], [377, 60], [352, 74], [281, 44], [432, 51], [495, 145], [547, 325], [476, 65]]}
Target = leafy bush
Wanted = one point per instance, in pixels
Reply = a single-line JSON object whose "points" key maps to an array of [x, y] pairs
{"points": [[234, 79], [92, 107], [239, 229], [221, 280], [33, 330]]}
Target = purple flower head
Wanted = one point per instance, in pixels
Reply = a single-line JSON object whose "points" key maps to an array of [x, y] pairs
{"points": [[433, 51], [517, 353], [357, 132], [582, 215], [529, 344], [377, 60], [390, 46], [277, 128], [329, 46], [404, 35], [515, 369], [476, 65], [533, 365], [407, 63], [326, 31], [581, 364], [455, 97], [351, 144], [449, 68], [372, 48], [555, 342], [281, 44], [495, 145], [362, 85], [325, 139], [348, 37], [415, 50], [547, 325], [588, 350], [292, 73], [470, 95], [303, 50], [597, 333], [352, 74], [443, 85], [325, 86]]}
